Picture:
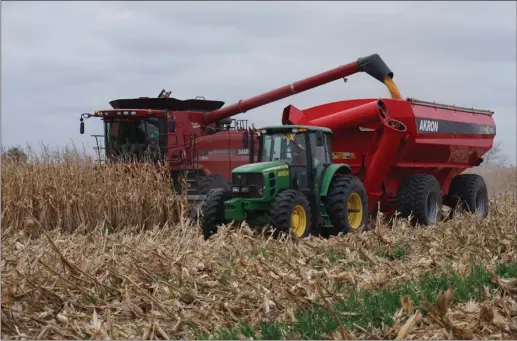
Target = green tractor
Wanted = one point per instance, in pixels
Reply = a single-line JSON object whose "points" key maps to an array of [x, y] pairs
{"points": [[293, 187]]}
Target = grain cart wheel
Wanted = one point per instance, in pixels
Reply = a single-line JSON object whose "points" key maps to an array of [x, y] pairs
{"points": [[212, 211], [347, 205], [205, 185], [421, 196], [469, 191], [290, 212]]}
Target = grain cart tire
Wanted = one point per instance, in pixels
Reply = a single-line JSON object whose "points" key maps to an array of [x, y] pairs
{"points": [[290, 213], [469, 191], [212, 211], [205, 184], [347, 205], [420, 195]]}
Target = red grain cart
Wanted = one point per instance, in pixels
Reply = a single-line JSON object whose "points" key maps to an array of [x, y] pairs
{"points": [[409, 153]]}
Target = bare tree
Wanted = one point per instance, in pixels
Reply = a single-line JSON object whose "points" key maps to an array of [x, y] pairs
{"points": [[495, 157]]}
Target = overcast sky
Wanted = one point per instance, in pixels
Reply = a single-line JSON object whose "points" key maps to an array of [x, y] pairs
{"points": [[60, 59]]}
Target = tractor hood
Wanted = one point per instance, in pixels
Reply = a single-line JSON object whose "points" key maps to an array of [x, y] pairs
{"points": [[261, 167]]}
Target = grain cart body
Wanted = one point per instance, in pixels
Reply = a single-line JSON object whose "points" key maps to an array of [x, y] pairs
{"points": [[385, 141]]}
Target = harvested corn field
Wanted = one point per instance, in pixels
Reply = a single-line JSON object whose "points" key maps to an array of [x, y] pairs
{"points": [[108, 255]]}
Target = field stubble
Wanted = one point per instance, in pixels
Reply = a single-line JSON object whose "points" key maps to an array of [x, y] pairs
{"points": [[103, 255]]}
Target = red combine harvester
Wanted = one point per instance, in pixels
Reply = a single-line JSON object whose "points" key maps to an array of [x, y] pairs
{"points": [[391, 144]]}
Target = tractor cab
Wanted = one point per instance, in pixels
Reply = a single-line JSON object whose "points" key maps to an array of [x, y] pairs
{"points": [[304, 150]]}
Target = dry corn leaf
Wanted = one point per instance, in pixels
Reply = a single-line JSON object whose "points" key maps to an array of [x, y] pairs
{"points": [[409, 325]]}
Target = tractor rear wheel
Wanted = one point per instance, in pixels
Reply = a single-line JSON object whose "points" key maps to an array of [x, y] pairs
{"points": [[212, 211], [469, 191], [421, 196], [290, 213], [347, 205]]}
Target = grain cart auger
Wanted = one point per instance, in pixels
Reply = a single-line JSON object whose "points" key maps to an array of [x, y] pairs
{"points": [[196, 138]]}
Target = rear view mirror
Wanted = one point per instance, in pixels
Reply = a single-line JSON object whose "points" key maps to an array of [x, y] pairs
{"points": [[172, 126], [245, 137], [81, 127], [319, 138]]}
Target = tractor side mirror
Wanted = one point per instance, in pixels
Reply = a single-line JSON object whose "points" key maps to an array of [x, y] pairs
{"points": [[172, 126], [319, 138], [81, 127], [245, 139]]}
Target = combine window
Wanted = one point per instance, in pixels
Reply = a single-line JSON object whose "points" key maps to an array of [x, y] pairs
{"points": [[136, 138]]}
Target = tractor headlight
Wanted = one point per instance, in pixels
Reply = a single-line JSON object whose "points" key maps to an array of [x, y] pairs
{"points": [[248, 184], [261, 190]]}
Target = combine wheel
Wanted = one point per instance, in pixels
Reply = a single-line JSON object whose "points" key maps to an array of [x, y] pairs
{"points": [[469, 191], [290, 212], [212, 211], [347, 205], [421, 196]]}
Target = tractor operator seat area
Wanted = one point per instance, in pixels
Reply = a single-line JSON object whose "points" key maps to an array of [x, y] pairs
{"points": [[295, 149], [292, 148], [288, 147]]}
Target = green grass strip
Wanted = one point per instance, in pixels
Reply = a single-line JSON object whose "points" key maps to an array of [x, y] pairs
{"points": [[370, 309]]}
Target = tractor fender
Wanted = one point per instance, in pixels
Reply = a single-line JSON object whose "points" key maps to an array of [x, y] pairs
{"points": [[329, 174]]}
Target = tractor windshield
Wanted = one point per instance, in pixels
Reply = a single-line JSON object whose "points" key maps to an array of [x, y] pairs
{"points": [[288, 147], [140, 139]]}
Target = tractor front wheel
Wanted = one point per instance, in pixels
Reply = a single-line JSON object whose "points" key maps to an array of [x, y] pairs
{"points": [[206, 184], [347, 205], [212, 211], [291, 213]]}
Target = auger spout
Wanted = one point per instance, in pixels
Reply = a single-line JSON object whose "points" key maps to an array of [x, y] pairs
{"points": [[372, 65]]}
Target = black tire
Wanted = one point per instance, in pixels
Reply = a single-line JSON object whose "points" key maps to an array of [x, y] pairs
{"points": [[469, 191], [282, 210], [212, 181], [205, 185], [421, 196], [212, 211], [342, 190]]}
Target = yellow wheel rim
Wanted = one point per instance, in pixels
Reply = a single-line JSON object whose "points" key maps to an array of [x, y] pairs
{"points": [[355, 211], [298, 220]]}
